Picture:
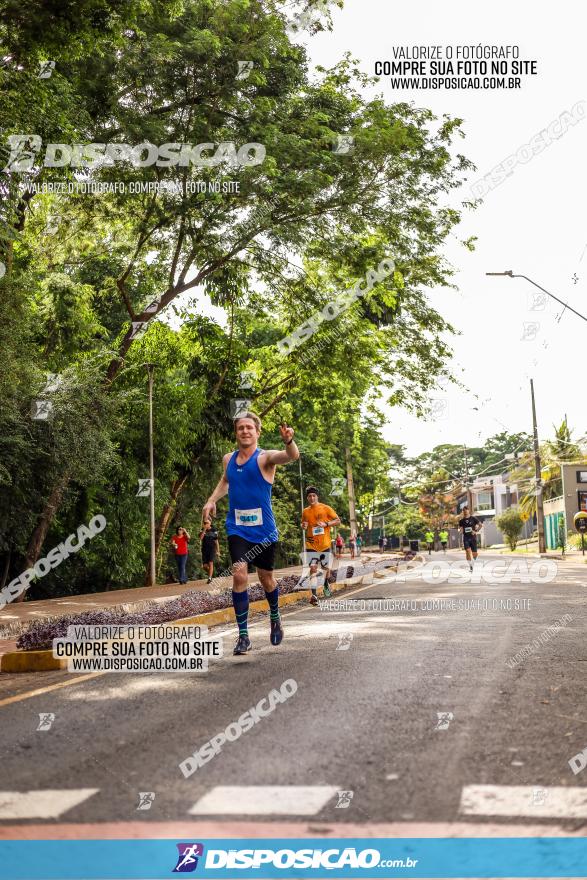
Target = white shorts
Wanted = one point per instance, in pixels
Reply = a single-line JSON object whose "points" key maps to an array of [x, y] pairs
{"points": [[323, 558]]}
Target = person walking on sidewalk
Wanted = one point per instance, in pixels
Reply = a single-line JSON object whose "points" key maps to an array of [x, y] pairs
{"points": [[471, 526], [250, 524], [444, 540], [179, 543], [359, 545], [381, 543], [429, 538], [210, 548], [339, 546], [317, 520], [353, 544]]}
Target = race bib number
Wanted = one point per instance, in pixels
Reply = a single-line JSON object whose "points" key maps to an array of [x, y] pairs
{"points": [[468, 528], [318, 530], [252, 517]]}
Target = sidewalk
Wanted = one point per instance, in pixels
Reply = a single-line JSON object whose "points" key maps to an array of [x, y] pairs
{"points": [[15, 617], [571, 555]]}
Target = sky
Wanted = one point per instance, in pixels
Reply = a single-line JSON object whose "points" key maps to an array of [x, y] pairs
{"points": [[533, 222]]}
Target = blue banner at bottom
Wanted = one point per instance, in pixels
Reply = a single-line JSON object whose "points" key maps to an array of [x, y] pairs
{"points": [[276, 858]]}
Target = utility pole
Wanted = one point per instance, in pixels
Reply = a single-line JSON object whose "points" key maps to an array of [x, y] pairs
{"points": [[539, 501], [468, 485], [351, 490], [150, 372], [302, 504]]}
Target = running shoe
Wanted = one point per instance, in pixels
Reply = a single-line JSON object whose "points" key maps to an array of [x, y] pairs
{"points": [[276, 632], [209, 581], [327, 591], [313, 600], [243, 644]]}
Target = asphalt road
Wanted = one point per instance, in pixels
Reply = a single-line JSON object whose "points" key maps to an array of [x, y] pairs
{"points": [[406, 710]]}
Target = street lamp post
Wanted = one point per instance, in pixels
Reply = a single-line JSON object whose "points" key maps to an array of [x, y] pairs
{"points": [[302, 505], [510, 274], [150, 373], [539, 503], [538, 471]]}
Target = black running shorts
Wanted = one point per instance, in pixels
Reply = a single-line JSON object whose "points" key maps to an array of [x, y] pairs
{"points": [[470, 542], [208, 554], [260, 555]]}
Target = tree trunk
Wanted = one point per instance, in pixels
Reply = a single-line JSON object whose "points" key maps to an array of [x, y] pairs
{"points": [[163, 521], [6, 571], [37, 538]]}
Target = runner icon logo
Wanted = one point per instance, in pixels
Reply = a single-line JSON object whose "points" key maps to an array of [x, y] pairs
{"points": [[146, 799], [539, 796], [344, 799], [187, 860], [46, 719], [444, 719]]}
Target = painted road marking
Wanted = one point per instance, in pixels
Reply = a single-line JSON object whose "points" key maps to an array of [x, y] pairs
{"points": [[17, 698], [43, 804], [556, 802], [274, 828], [50, 687], [263, 800]]}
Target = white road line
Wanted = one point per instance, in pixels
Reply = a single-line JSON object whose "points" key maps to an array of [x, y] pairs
{"points": [[556, 802], [263, 800], [42, 804]]}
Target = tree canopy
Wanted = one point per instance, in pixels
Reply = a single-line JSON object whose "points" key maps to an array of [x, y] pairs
{"points": [[98, 283]]}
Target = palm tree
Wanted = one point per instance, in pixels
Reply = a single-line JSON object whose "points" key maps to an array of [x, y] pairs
{"points": [[562, 449]]}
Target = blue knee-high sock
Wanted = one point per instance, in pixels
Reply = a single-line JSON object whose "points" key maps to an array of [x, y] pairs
{"points": [[273, 599], [241, 610]]}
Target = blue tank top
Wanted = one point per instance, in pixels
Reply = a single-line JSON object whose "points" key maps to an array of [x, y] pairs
{"points": [[249, 501]]}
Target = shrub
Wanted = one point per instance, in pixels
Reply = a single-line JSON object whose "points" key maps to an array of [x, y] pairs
{"points": [[511, 524]]}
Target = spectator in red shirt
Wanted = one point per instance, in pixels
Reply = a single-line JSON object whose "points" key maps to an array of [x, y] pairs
{"points": [[179, 542]]}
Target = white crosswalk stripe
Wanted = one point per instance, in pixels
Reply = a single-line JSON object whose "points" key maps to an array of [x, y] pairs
{"points": [[556, 802], [263, 800], [43, 804]]}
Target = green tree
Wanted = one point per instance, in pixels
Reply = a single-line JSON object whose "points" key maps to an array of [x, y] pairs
{"points": [[405, 522], [511, 524], [305, 223]]}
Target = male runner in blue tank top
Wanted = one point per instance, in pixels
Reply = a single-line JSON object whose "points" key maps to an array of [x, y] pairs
{"points": [[250, 525]]}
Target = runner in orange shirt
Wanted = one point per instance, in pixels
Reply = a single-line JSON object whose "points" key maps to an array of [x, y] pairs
{"points": [[316, 522]]}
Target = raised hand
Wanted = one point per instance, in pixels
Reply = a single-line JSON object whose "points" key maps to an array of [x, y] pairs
{"points": [[286, 432]]}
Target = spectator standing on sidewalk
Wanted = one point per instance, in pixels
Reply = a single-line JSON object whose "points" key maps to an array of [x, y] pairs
{"points": [[179, 543]]}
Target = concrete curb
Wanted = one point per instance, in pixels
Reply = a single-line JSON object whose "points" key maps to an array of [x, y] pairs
{"points": [[44, 661]]}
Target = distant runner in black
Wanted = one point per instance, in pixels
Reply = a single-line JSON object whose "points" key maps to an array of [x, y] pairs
{"points": [[210, 548], [471, 526]]}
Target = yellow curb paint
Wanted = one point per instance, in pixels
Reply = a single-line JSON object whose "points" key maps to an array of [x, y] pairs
{"points": [[43, 661], [31, 661], [50, 687]]}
